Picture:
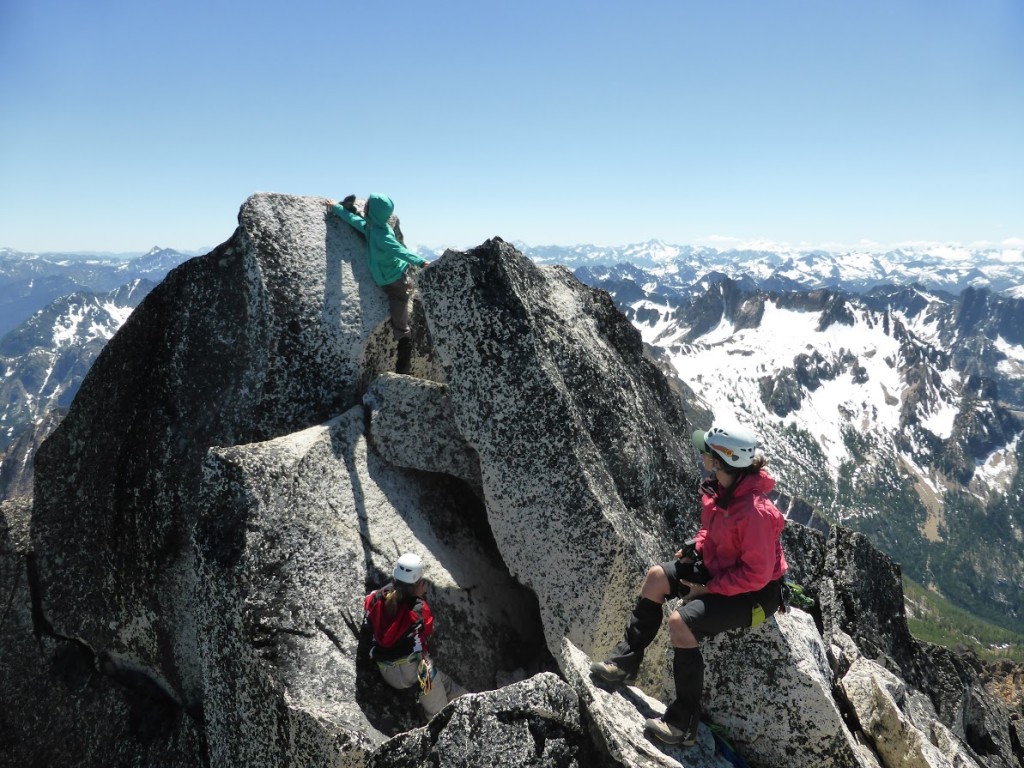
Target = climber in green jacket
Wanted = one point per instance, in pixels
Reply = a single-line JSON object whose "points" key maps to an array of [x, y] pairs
{"points": [[389, 263]]}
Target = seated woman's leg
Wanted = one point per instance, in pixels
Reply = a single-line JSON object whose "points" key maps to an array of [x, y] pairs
{"points": [[706, 616], [656, 585], [688, 673], [680, 633], [641, 628]]}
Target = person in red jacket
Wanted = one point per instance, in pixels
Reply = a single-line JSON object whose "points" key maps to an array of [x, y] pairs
{"points": [[401, 622], [730, 576]]}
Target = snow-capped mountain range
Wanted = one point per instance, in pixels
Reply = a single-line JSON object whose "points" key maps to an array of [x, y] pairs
{"points": [[43, 360], [950, 268], [30, 281], [57, 312], [897, 410], [828, 364]]}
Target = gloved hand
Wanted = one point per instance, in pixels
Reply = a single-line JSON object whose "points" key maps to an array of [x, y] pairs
{"points": [[425, 675]]}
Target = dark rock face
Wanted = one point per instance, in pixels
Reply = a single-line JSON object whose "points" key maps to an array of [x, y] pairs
{"points": [[60, 704], [837, 311], [781, 394], [975, 314], [981, 425], [729, 300], [784, 393], [221, 496], [864, 596]]}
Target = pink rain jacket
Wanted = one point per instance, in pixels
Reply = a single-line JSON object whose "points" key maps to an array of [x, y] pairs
{"points": [[740, 545]]}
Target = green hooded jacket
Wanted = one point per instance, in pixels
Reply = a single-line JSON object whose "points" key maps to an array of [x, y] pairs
{"points": [[388, 258]]}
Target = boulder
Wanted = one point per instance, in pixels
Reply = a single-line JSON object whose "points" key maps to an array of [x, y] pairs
{"points": [[263, 336], [412, 425], [771, 689], [536, 722], [901, 737], [587, 472], [862, 598], [618, 714]]}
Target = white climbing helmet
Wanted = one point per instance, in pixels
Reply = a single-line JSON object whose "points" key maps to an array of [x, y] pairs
{"points": [[409, 568], [733, 443]]}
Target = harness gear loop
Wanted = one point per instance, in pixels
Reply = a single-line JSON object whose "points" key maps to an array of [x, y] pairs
{"points": [[425, 675]]}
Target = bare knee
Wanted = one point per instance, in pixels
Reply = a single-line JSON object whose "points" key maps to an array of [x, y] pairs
{"points": [[655, 586], [680, 633]]}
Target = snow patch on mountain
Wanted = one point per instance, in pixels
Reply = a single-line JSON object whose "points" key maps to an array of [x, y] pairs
{"points": [[118, 314], [89, 321], [45, 358], [826, 410], [65, 327], [723, 332], [726, 365], [926, 323], [940, 421], [1013, 365], [665, 330], [997, 470]]}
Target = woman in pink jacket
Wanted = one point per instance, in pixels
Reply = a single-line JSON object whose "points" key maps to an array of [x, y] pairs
{"points": [[729, 576]]}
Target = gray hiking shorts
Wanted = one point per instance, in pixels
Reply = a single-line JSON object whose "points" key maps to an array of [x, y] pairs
{"points": [[709, 615]]}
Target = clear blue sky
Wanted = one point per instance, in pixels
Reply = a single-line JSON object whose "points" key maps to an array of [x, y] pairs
{"points": [[131, 123]]}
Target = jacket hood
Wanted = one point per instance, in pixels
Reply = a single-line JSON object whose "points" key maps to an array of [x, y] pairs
{"points": [[379, 209], [762, 482]]}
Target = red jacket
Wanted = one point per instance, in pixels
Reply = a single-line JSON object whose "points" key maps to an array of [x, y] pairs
{"points": [[740, 545], [400, 635]]}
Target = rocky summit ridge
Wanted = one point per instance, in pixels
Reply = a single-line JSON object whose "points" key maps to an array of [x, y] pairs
{"points": [[239, 469]]}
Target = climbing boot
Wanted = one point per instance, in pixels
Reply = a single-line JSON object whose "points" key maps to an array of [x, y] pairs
{"points": [[667, 733], [610, 672], [404, 356]]}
